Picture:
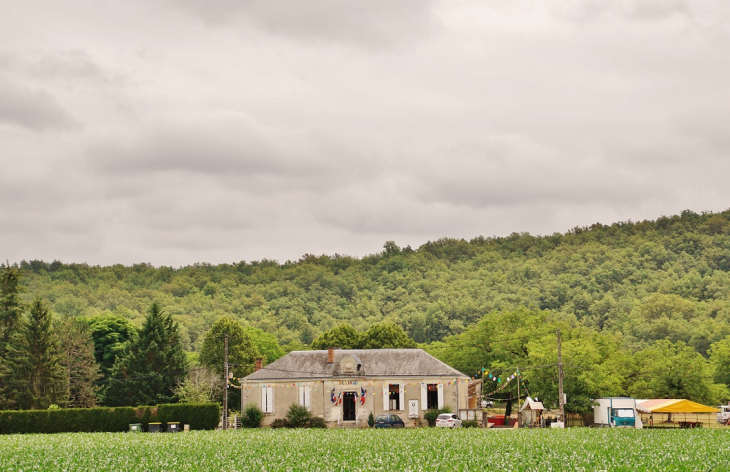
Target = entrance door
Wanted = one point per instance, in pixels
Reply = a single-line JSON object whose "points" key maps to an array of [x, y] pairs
{"points": [[348, 406]]}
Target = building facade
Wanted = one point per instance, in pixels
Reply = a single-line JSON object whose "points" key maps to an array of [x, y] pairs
{"points": [[344, 386]]}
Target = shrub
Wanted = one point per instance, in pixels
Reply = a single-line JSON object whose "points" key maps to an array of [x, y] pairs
{"points": [[470, 424], [371, 420], [280, 423], [430, 416], [298, 416], [252, 416], [317, 422], [198, 416]]}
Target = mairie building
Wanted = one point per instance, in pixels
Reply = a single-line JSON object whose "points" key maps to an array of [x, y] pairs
{"points": [[344, 386]]}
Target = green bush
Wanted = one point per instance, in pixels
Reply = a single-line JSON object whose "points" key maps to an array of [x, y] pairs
{"points": [[198, 416], [317, 422], [298, 416], [430, 416], [252, 416], [371, 420], [280, 423], [470, 424]]}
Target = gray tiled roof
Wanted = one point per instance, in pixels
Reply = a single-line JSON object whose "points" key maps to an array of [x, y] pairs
{"points": [[375, 363]]}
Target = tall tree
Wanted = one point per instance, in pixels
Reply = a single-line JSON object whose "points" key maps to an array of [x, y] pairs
{"points": [[241, 349], [111, 336], [343, 336], [386, 335], [266, 343], [78, 362], [35, 376], [150, 370], [11, 306]]}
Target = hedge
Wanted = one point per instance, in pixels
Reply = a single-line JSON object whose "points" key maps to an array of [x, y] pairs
{"points": [[197, 415]]}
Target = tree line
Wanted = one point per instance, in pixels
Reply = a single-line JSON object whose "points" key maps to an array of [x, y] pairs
{"points": [[642, 291]]}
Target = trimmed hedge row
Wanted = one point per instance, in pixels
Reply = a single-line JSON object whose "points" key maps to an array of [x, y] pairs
{"points": [[197, 415]]}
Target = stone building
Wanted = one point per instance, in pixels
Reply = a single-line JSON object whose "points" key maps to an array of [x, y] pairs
{"points": [[345, 386]]}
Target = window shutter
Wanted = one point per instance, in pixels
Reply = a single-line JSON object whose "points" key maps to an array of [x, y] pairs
{"points": [[441, 396], [301, 396], [386, 402], [401, 394], [267, 398], [308, 397], [424, 396]]}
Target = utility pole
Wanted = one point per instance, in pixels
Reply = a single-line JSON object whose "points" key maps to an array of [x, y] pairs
{"points": [[561, 396], [225, 382]]}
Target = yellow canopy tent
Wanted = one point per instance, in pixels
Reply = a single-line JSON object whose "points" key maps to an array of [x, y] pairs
{"points": [[673, 406]]}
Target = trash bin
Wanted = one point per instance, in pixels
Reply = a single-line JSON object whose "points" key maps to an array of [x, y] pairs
{"points": [[173, 427], [154, 427], [136, 428]]}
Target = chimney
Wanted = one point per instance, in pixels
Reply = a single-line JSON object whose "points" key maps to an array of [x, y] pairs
{"points": [[259, 364], [330, 355]]}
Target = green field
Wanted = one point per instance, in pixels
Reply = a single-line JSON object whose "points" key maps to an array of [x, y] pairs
{"points": [[420, 449]]}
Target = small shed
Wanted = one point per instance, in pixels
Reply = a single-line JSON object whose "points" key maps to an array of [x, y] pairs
{"points": [[531, 412]]}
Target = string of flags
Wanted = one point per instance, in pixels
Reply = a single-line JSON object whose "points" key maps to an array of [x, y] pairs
{"points": [[337, 399], [354, 383], [501, 386]]}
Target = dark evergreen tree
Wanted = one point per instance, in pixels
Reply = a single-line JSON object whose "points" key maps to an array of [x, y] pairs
{"points": [[11, 306], [78, 362], [152, 366], [34, 376]]}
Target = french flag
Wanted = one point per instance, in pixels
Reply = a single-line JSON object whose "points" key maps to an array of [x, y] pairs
{"points": [[362, 396]]}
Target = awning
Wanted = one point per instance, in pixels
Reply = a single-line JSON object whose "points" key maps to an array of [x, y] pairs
{"points": [[668, 405]]}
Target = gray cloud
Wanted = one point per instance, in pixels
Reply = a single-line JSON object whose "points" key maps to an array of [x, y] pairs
{"points": [[36, 110], [374, 22], [224, 130]]}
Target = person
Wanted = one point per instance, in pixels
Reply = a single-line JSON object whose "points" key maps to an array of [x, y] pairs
{"points": [[651, 421], [547, 422]]}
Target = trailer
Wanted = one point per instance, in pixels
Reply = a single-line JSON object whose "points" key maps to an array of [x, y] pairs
{"points": [[616, 412], [723, 417]]}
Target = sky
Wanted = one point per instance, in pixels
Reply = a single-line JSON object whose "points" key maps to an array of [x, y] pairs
{"points": [[180, 131]]}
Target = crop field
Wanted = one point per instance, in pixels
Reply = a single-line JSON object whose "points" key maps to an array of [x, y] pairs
{"points": [[339, 450]]}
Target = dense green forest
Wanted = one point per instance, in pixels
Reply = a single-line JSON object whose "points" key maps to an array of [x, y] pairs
{"points": [[636, 289]]}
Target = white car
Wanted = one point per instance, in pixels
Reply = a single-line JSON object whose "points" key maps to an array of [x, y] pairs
{"points": [[448, 420]]}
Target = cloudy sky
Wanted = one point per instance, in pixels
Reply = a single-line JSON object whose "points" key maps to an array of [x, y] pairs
{"points": [[183, 131]]}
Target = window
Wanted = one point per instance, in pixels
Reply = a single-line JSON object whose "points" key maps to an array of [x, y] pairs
{"points": [[432, 396], [305, 397], [394, 396], [267, 398]]}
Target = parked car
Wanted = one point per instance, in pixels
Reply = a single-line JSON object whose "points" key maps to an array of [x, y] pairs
{"points": [[448, 420], [389, 421]]}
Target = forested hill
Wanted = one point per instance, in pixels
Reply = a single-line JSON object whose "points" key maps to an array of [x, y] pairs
{"points": [[668, 278]]}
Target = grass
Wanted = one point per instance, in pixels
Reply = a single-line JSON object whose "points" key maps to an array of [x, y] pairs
{"points": [[369, 450]]}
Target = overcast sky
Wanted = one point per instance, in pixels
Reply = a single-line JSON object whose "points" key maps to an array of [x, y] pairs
{"points": [[183, 131]]}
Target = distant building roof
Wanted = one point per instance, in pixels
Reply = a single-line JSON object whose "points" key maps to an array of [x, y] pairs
{"points": [[371, 363]]}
